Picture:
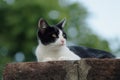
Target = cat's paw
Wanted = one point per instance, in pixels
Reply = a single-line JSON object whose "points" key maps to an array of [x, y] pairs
{"points": [[64, 58], [47, 59]]}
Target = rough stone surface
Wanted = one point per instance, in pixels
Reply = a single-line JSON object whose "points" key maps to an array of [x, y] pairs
{"points": [[85, 69], [104, 69]]}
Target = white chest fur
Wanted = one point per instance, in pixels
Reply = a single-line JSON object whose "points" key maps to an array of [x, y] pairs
{"points": [[47, 54]]}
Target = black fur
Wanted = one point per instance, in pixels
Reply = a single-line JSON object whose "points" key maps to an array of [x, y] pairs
{"points": [[45, 32], [84, 52], [46, 37]]}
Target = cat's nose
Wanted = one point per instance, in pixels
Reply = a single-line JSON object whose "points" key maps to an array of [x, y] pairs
{"points": [[62, 41]]}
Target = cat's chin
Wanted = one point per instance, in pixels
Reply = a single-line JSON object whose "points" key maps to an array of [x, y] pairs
{"points": [[61, 45], [58, 46]]}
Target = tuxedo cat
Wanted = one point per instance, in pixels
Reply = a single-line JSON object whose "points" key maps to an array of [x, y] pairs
{"points": [[52, 45]]}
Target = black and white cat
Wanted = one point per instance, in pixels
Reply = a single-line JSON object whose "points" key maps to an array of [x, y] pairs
{"points": [[52, 45]]}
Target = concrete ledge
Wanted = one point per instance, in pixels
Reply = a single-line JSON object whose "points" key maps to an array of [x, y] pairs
{"points": [[85, 69]]}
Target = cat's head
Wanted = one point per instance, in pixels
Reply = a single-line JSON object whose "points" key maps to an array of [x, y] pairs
{"points": [[52, 35]]}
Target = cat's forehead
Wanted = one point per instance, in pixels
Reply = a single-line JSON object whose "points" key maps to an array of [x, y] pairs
{"points": [[53, 28]]}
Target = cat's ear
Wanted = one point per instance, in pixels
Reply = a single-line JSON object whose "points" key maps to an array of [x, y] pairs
{"points": [[61, 24], [42, 25]]}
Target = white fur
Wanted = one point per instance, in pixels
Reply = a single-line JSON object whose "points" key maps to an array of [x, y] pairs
{"points": [[55, 51]]}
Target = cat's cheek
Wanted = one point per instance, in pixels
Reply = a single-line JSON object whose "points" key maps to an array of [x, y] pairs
{"points": [[59, 42]]}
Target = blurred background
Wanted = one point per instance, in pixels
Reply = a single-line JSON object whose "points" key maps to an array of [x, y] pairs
{"points": [[92, 24]]}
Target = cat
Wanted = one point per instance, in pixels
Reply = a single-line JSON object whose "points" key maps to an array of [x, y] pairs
{"points": [[52, 45]]}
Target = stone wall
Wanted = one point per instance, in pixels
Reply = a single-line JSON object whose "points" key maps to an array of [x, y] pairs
{"points": [[85, 69]]}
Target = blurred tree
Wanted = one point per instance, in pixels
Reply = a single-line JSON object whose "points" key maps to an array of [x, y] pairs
{"points": [[18, 27]]}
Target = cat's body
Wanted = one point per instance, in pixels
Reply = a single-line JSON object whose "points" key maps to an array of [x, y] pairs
{"points": [[85, 52], [52, 45], [47, 54]]}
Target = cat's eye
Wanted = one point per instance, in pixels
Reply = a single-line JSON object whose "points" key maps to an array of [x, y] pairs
{"points": [[53, 35]]}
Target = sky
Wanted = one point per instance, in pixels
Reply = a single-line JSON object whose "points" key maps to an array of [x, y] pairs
{"points": [[104, 17]]}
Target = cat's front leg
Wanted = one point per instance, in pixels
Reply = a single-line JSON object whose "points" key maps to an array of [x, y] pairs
{"points": [[64, 58], [47, 59]]}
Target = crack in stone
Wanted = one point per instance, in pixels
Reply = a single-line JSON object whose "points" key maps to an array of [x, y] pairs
{"points": [[83, 69]]}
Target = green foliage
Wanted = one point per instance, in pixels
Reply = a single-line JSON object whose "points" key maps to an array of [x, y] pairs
{"points": [[18, 26]]}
